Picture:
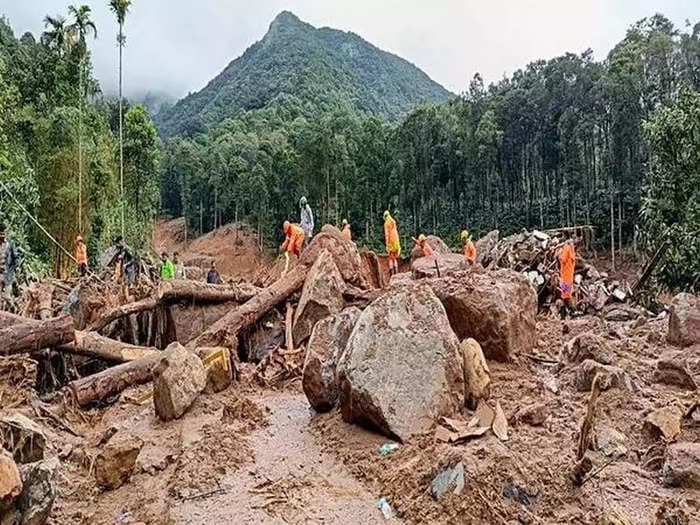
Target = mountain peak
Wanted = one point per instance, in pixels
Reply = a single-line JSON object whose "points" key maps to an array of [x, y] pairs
{"points": [[285, 17]]}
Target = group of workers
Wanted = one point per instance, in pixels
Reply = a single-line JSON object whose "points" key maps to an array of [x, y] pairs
{"points": [[175, 269]]}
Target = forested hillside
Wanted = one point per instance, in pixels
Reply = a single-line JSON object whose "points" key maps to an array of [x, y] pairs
{"points": [[59, 148], [319, 69], [560, 142]]}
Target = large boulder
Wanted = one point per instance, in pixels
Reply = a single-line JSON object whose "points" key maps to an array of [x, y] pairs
{"points": [[39, 491], [402, 367], [10, 481], [497, 309], [178, 379], [115, 462], [684, 320], [435, 242], [682, 465], [321, 296], [327, 343], [345, 254], [447, 263], [484, 246], [23, 437]]}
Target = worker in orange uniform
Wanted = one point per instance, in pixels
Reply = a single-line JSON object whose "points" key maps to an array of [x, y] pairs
{"points": [[422, 243], [567, 263], [293, 241], [81, 256], [469, 248], [345, 231], [393, 244]]}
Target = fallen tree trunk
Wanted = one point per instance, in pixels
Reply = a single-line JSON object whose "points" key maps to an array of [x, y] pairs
{"points": [[34, 335], [110, 382], [7, 319], [226, 330], [92, 344], [122, 311]]}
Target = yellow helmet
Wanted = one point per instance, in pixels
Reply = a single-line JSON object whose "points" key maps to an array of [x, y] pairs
{"points": [[345, 222], [387, 214], [464, 235], [421, 238]]}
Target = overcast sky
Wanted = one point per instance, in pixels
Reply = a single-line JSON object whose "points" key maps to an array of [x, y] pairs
{"points": [[177, 46]]}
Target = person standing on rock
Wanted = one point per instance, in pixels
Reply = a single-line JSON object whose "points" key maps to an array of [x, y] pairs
{"points": [[393, 243], [567, 262], [213, 276], [293, 241], [469, 249], [345, 231], [307, 220], [8, 265], [81, 256], [167, 268]]}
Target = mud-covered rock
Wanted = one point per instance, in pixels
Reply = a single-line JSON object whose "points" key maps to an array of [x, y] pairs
{"points": [[178, 379], [447, 263], [10, 481], [344, 253], [684, 320], [326, 345], [609, 376], [672, 369], [589, 346], [115, 462], [22, 437], [402, 368], [534, 414], [664, 422], [477, 377], [39, 491], [497, 309], [682, 465], [610, 442], [321, 296]]}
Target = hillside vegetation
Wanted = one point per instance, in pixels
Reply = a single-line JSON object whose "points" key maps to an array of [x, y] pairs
{"points": [[323, 69]]}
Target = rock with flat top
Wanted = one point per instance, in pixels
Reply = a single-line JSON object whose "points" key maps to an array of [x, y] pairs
{"points": [[326, 345], [115, 462], [477, 377], [178, 379], [22, 437], [402, 368], [497, 309], [321, 296], [447, 263], [39, 491], [682, 465], [684, 320]]}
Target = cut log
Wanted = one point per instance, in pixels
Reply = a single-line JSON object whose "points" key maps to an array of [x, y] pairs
{"points": [[93, 344], [7, 319], [123, 310], [110, 382], [226, 330], [178, 290], [35, 335]]}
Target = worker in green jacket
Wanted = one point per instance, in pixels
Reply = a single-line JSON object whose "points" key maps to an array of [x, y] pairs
{"points": [[167, 268]]}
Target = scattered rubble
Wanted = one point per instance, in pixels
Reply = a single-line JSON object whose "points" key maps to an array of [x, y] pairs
{"points": [[610, 442], [39, 491], [589, 346], [10, 480], [609, 376]]}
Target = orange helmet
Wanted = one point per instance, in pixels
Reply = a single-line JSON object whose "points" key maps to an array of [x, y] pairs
{"points": [[286, 226]]}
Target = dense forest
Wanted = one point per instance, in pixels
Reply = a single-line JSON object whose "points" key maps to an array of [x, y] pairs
{"points": [[562, 142], [569, 140], [59, 148]]}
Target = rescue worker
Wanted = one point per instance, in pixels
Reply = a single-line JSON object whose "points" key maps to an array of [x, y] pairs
{"points": [[179, 267], [124, 262], [213, 276], [8, 265], [393, 243], [81, 256], [167, 268], [307, 220], [422, 243], [469, 248], [567, 262], [345, 231], [293, 241]]}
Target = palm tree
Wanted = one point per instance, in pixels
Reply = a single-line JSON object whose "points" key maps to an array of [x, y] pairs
{"points": [[55, 36], [120, 8], [81, 26]]}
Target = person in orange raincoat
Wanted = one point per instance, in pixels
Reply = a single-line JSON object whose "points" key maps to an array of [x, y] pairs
{"points": [[81, 256], [393, 244], [567, 263], [293, 241], [422, 243], [469, 248], [345, 232]]}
